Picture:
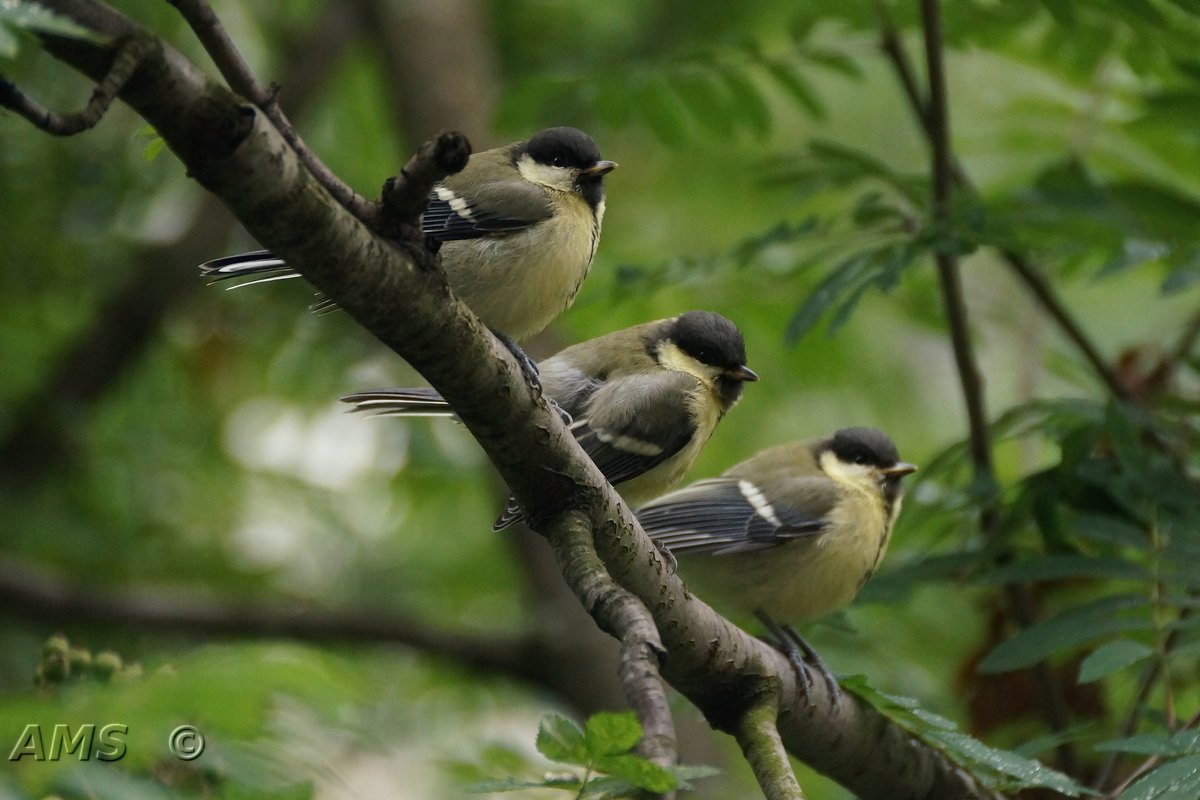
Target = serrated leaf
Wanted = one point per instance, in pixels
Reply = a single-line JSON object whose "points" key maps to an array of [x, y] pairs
{"points": [[1026, 771], [638, 771], [1184, 743], [1176, 780], [608, 733], [559, 739], [1111, 657], [1072, 627]]}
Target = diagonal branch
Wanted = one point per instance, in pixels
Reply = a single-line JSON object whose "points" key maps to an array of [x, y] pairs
{"points": [[241, 78], [130, 55], [759, 739], [623, 615]]}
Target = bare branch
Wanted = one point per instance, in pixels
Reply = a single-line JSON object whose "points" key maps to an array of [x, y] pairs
{"points": [[1020, 264], [130, 55], [759, 739], [623, 616], [30, 593], [234, 68]]}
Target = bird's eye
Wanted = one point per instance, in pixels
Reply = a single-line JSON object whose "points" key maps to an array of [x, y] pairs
{"points": [[558, 161]]}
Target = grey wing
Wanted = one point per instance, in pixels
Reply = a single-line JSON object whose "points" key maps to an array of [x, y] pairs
{"points": [[730, 515], [415, 402], [456, 213], [630, 425]]}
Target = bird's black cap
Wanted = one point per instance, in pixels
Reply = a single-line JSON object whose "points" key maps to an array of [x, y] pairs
{"points": [[709, 338], [560, 147], [868, 446]]}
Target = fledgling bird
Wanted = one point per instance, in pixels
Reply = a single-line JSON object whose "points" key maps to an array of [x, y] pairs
{"points": [[791, 534], [642, 401], [519, 226]]}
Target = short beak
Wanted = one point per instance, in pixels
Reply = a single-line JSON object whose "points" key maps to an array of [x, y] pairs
{"points": [[743, 373], [899, 469], [600, 169]]}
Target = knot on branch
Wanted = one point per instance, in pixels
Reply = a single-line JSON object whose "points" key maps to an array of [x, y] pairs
{"points": [[405, 196]]}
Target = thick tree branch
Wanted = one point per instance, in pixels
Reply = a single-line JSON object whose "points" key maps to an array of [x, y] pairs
{"points": [[401, 296]]}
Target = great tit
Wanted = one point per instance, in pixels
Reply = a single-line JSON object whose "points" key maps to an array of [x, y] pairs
{"points": [[791, 533], [642, 401], [519, 226]]}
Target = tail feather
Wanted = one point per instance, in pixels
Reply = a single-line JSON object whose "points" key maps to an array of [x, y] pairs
{"points": [[253, 263], [512, 514], [415, 402]]}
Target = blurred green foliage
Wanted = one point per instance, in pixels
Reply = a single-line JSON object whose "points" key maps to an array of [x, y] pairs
{"points": [[771, 170]]}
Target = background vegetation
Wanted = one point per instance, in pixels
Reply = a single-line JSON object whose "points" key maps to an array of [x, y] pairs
{"points": [[163, 439]]}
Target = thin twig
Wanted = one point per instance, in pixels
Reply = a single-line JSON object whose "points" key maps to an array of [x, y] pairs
{"points": [[1020, 264], [130, 56], [405, 196], [1149, 764], [241, 78]]}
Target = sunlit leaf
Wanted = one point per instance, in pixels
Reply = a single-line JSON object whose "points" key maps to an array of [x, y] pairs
{"points": [[559, 739]]}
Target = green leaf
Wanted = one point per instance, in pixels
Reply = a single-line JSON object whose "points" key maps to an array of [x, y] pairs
{"points": [[1177, 780], [788, 77], [1026, 771], [608, 733], [705, 100], [513, 785], [1055, 567], [1111, 657], [747, 99], [1078, 625], [825, 295], [1184, 743], [36, 18], [638, 771], [559, 739]]}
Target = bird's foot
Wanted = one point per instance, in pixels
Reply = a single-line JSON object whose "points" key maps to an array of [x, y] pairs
{"points": [[801, 656], [528, 366]]}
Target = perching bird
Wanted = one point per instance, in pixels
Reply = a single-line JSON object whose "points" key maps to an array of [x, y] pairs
{"points": [[790, 534], [519, 226], [643, 401]]}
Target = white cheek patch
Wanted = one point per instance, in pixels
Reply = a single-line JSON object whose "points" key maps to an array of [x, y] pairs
{"points": [[548, 175], [457, 204], [759, 503]]}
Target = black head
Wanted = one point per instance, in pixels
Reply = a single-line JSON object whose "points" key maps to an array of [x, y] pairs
{"points": [[867, 446], [872, 448], [715, 342], [561, 147], [571, 149]]}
